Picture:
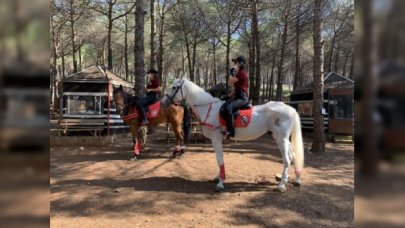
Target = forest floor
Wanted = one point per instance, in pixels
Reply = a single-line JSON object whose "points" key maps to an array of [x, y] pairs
{"points": [[101, 187]]}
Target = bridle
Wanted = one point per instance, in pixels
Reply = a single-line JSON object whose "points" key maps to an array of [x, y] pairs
{"points": [[126, 103], [183, 101], [178, 88]]}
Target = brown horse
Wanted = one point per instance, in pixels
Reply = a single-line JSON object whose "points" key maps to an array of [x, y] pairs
{"points": [[172, 114]]}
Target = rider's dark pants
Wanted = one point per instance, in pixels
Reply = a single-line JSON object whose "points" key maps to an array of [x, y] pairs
{"points": [[229, 110], [144, 102]]}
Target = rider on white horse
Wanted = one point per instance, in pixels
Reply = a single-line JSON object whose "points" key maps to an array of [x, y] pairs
{"points": [[276, 117], [238, 98]]}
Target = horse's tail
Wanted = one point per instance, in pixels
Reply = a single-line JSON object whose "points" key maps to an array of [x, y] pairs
{"points": [[186, 124], [297, 143]]}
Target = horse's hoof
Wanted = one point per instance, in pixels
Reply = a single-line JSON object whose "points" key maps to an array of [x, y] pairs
{"points": [[219, 188], [281, 189], [296, 184], [277, 177], [216, 180], [179, 155], [133, 158], [174, 154]]}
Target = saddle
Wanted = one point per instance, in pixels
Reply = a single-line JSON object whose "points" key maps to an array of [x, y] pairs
{"points": [[152, 111], [242, 120]]}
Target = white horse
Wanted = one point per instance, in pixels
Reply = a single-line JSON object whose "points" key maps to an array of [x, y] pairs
{"points": [[276, 117]]}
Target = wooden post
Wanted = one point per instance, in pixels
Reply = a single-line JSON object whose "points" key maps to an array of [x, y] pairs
{"points": [[108, 101]]}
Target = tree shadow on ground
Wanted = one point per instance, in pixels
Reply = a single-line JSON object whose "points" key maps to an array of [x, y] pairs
{"points": [[163, 184], [104, 196], [315, 204], [323, 206]]}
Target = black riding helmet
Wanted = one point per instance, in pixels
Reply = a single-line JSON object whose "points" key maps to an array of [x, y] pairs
{"points": [[152, 71], [240, 59]]}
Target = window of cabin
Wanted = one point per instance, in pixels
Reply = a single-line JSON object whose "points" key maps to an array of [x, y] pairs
{"points": [[84, 105], [341, 106]]}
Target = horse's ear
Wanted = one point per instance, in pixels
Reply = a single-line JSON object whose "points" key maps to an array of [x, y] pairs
{"points": [[114, 87], [121, 87]]}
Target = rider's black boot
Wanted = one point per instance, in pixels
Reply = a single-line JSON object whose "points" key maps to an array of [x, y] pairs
{"points": [[230, 126], [143, 119]]}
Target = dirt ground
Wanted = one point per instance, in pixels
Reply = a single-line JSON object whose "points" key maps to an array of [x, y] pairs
{"points": [[100, 187]]}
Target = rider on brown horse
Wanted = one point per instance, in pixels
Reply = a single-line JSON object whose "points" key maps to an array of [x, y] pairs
{"points": [[152, 94]]}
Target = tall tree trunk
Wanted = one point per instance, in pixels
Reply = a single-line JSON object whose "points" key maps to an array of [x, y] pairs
{"points": [[344, 70], [257, 52], [183, 61], [266, 95], [280, 76], [63, 63], [228, 49], [318, 143], [351, 74], [214, 70], [271, 89], [139, 47], [161, 37], [263, 95], [126, 48], [368, 50], [73, 37], [252, 60], [297, 48], [110, 27], [18, 23], [194, 56], [335, 67], [198, 75], [54, 67], [153, 61], [80, 56], [330, 55], [104, 58], [189, 59], [206, 71]]}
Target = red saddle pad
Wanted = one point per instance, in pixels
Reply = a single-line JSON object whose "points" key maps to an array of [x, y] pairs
{"points": [[242, 120], [152, 113]]}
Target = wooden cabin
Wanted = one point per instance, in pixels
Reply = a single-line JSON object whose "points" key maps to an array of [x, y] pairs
{"points": [[337, 106], [24, 119], [87, 102]]}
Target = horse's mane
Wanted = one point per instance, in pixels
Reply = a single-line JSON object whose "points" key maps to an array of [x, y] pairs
{"points": [[201, 96]]}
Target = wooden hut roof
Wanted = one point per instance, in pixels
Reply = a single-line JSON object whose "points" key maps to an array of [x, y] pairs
{"points": [[96, 75], [331, 81]]}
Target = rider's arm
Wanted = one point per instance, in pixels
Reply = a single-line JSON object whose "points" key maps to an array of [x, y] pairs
{"points": [[231, 91], [158, 89], [232, 79]]}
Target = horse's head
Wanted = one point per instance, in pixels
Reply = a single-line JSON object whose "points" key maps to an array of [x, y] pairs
{"points": [[119, 98], [175, 93]]}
